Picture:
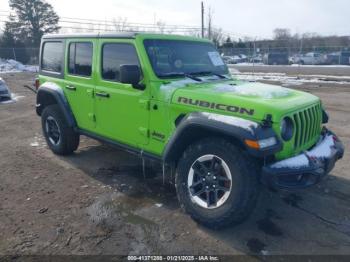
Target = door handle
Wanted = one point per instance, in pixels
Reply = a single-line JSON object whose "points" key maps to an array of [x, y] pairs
{"points": [[104, 95], [72, 88]]}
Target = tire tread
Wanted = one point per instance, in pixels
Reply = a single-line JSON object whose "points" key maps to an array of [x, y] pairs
{"points": [[247, 199]]}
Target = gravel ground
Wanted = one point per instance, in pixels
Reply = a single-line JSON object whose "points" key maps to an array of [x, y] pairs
{"points": [[97, 201]]}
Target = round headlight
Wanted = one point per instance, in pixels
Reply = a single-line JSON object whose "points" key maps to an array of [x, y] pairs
{"points": [[287, 128]]}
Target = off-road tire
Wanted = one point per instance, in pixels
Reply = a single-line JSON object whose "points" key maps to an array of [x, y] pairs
{"points": [[69, 139], [245, 185]]}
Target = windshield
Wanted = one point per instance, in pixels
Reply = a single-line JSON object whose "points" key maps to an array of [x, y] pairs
{"points": [[178, 58]]}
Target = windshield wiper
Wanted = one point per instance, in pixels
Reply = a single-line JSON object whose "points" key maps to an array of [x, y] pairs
{"points": [[181, 74], [193, 77], [210, 73]]}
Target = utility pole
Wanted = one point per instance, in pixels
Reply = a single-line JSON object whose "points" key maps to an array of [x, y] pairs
{"points": [[209, 23], [202, 10]]}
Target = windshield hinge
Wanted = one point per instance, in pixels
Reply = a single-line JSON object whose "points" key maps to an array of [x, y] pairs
{"points": [[267, 122]]}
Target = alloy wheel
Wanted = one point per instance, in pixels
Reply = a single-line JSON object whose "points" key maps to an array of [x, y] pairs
{"points": [[53, 130], [209, 181]]}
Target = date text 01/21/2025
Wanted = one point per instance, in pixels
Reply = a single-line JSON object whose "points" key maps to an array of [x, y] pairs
{"points": [[173, 258]]}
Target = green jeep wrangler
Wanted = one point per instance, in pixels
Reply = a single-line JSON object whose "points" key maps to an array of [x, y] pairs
{"points": [[172, 98]]}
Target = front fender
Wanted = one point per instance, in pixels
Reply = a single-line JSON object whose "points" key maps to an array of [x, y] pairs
{"points": [[198, 125], [49, 94]]}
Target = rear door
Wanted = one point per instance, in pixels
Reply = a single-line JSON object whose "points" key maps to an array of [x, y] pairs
{"points": [[122, 111], [79, 80]]}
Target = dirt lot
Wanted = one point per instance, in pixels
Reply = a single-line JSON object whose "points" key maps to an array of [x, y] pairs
{"points": [[97, 202]]}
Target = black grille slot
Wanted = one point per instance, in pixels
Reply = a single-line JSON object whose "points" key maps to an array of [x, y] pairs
{"points": [[307, 125]]}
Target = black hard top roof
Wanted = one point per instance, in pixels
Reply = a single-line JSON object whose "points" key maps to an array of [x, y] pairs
{"points": [[93, 35]]}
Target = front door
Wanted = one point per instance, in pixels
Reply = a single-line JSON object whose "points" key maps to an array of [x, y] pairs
{"points": [[79, 81], [122, 111]]}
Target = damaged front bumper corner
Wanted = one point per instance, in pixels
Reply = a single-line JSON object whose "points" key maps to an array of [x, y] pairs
{"points": [[306, 169]]}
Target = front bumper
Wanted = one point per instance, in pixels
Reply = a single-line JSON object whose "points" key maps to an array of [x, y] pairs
{"points": [[306, 169]]}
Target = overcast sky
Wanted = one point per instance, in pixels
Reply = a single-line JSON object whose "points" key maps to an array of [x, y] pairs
{"points": [[254, 18]]}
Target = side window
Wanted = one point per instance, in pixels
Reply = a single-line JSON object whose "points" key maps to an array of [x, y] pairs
{"points": [[115, 55], [52, 57], [80, 59]]}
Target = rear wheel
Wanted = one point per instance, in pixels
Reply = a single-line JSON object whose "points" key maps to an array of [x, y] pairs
{"points": [[216, 183], [60, 137]]}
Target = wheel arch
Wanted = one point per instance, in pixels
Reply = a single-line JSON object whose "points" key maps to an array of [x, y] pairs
{"points": [[177, 145], [51, 94], [197, 126]]}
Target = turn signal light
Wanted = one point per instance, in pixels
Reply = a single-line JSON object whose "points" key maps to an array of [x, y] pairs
{"points": [[252, 144], [261, 144]]}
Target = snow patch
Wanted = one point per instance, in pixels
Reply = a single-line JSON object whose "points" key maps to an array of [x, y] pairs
{"points": [[287, 80], [169, 88], [322, 150], [13, 66], [293, 65], [38, 141], [254, 90], [264, 252], [234, 71], [232, 120], [294, 162], [34, 144]]}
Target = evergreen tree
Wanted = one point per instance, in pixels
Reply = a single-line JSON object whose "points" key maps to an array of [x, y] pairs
{"points": [[7, 38], [32, 19]]}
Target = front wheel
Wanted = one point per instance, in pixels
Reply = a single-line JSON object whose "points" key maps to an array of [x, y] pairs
{"points": [[217, 183]]}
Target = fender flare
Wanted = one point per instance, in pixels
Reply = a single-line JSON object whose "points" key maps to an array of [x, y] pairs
{"points": [[51, 93], [197, 125]]}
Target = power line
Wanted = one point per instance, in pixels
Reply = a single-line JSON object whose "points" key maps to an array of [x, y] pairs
{"points": [[119, 25], [126, 25], [114, 22], [111, 30], [123, 25]]}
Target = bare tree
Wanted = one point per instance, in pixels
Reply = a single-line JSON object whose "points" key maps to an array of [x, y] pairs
{"points": [[91, 28], [282, 34], [217, 36], [161, 26], [77, 29], [210, 23], [194, 33], [120, 24]]}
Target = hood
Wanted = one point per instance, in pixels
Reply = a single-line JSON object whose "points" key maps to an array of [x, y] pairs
{"points": [[250, 100]]}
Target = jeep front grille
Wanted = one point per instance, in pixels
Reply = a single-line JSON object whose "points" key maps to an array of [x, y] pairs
{"points": [[307, 125]]}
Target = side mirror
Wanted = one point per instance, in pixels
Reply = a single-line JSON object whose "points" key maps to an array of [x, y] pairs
{"points": [[130, 74]]}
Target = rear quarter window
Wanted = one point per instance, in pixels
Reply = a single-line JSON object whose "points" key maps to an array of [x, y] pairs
{"points": [[52, 57]]}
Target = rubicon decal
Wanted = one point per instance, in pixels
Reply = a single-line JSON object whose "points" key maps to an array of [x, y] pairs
{"points": [[221, 107]]}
